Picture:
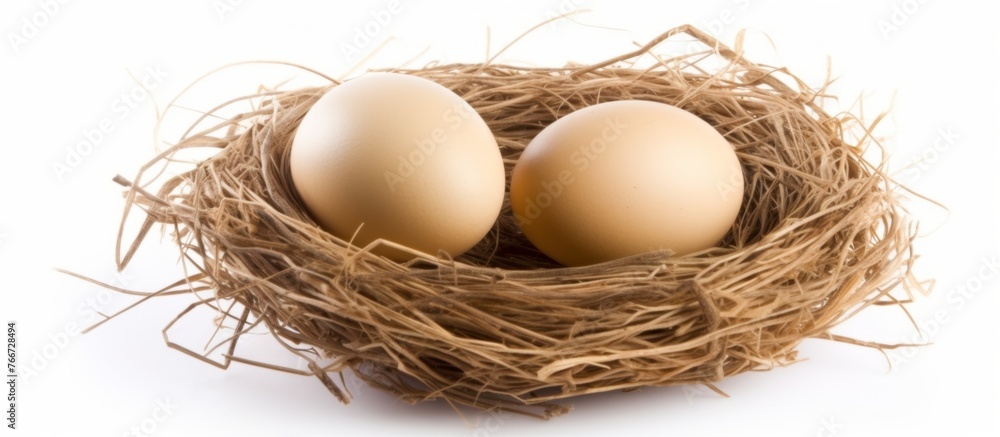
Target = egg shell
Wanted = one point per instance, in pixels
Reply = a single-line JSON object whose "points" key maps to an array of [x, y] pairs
{"points": [[626, 177], [400, 158]]}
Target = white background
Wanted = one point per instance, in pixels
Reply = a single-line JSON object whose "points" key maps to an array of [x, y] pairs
{"points": [[933, 63]]}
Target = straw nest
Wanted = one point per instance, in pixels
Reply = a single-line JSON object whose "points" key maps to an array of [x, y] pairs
{"points": [[819, 237]]}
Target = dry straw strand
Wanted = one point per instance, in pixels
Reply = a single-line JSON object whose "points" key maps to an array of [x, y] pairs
{"points": [[821, 234]]}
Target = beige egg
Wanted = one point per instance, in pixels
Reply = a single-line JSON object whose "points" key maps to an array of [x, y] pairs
{"points": [[401, 158], [623, 178]]}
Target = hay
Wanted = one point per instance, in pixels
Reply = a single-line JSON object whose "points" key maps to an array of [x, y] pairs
{"points": [[821, 235]]}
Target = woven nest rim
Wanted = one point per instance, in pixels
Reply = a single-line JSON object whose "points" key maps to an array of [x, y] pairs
{"points": [[821, 236]]}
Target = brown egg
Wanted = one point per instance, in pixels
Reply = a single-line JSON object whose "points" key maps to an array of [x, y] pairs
{"points": [[623, 178], [400, 158]]}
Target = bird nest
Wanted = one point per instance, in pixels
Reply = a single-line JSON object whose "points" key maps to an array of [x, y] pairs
{"points": [[820, 236]]}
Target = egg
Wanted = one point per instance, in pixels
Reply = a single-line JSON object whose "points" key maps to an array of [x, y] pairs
{"points": [[400, 158], [623, 178]]}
